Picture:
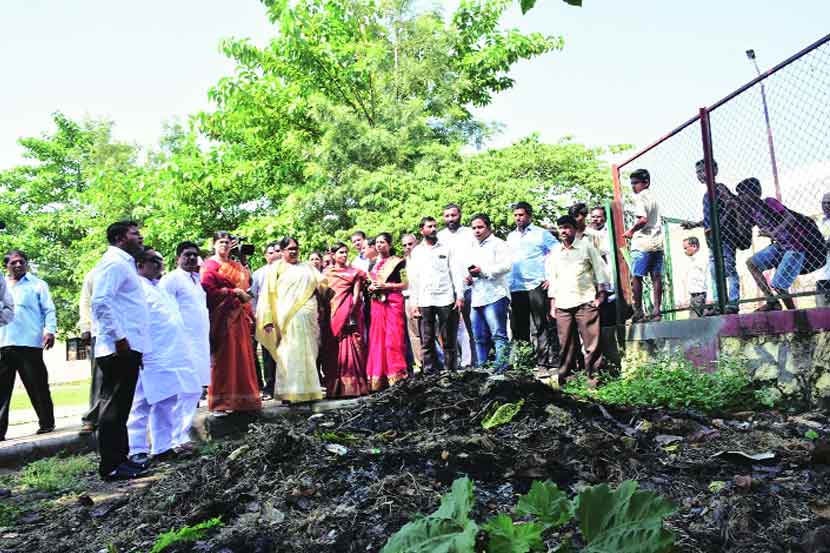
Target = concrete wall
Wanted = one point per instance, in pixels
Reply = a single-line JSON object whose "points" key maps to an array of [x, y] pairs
{"points": [[789, 350]]}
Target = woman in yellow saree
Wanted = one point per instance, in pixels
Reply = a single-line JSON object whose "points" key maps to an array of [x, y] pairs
{"points": [[287, 324]]}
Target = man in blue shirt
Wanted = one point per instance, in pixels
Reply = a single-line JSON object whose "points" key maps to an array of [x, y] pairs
{"points": [[23, 340], [530, 246]]}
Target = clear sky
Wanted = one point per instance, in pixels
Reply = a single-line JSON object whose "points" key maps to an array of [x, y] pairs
{"points": [[631, 69]]}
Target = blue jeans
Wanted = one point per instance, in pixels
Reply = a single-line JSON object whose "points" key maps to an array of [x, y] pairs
{"points": [[489, 329], [730, 271], [787, 264]]}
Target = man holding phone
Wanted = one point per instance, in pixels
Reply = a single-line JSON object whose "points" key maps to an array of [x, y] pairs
{"points": [[489, 275]]}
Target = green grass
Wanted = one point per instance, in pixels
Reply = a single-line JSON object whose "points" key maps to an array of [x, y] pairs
{"points": [[184, 535], [56, 474], [66, 394]]}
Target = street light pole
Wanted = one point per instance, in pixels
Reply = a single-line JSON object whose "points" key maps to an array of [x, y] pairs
{"points": [[751, 55]]}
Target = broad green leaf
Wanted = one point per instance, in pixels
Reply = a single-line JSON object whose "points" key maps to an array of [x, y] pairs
{"points": [[447, 530], [624, 520], [526, 5], [502, 415], [505, 536], [546, 502]]}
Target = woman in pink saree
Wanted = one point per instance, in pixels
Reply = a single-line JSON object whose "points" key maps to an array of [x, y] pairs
{"points": [[387, 342], [344, 365]]}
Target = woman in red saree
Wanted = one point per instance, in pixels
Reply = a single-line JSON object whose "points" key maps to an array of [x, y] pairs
{"points": [[345, 360], [387, 342], [233, 382]]}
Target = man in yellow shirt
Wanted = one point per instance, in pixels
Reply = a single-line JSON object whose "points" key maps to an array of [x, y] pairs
{"points": [[578, 286]]}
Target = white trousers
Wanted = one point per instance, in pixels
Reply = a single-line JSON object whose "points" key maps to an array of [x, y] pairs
{"points": [[464, 346], [186, 406], [160, 418]]}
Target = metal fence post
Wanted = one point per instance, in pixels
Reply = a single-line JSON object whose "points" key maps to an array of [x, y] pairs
{"points": [[715, 241]]}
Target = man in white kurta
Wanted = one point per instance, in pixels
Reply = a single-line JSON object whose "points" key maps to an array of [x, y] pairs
{"points": [[184, 286], [159, 383]]}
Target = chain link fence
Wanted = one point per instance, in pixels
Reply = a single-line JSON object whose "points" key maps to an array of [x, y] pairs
{"points": [[748, 180]]}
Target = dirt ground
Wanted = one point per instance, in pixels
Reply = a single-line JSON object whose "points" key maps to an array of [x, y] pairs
{"points": [[345, 481]]}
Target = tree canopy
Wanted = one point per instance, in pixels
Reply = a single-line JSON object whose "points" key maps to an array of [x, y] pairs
{"points": [[356, 114]]}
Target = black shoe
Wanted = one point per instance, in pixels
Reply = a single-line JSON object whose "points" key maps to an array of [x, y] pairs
{"points": [[45, 430], [124, 472], [168, 455], [139, 461]]}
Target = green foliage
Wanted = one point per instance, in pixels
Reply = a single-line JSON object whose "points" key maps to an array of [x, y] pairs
{"points": [[673, 381], [624, 520], [184, 535], [504, 536], [355, 115], [768, 396], [547, 503], [9, 513], [811, 435], [526, 5], [448, 530], [345, 438], [523, 356], [502, 415], [54, 474]]}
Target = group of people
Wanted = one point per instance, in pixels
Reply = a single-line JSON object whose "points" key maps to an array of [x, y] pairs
{"points": [[798, 246], [358, 317]]}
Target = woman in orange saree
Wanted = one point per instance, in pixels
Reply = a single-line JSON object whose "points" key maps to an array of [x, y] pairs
{"points": [[233, 382], [387, 342], [345, 363]]}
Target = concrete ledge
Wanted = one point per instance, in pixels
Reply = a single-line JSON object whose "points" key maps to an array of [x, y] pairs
{"points": [[19, 451]]}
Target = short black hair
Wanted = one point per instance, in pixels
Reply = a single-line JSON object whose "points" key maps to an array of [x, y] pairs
{"points": [[564, 220], [578, 209], [702, 162], [425, 220], [693, 241], [601, 208], [286, 241], [186, 245], [10, 253], [358, 233], [272, 244], [484, 218], [523, 205], [370, 242], [450, 206], [219, 234], [641, 175], [750, 186], [336, 246], [143, 256], [118, 230]]}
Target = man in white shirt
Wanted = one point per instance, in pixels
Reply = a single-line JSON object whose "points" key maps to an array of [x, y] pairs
{"points": [[272, 254], [166, 372], [89, 420], [437, 296], [359, 243], [646, 237], [23, 340], [488, 275], [460, 239], [578, 286], [120, 323], [184, 286], [695, 277]]}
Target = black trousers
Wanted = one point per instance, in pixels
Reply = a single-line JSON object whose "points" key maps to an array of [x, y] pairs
{"points": [[269, 370], [443, 322], [120, 374], [529, 323], [91, 416], [29, 363]]}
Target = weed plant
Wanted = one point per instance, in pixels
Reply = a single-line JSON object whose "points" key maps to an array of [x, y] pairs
{"points": [[56, 474], [673, 381]]}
